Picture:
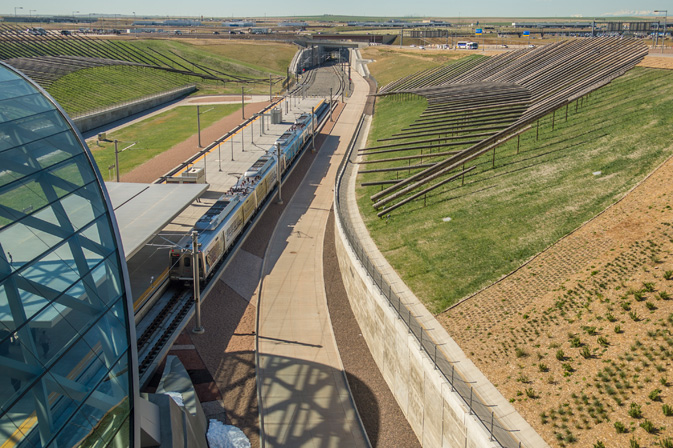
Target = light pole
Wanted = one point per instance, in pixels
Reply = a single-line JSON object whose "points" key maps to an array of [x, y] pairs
{"points": [[663, 39], [73, 16], [15, 8], [243, 102]]}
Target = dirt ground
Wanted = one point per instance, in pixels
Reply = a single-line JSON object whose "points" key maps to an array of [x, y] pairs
{"points": [[582, 332], [658, 61]]}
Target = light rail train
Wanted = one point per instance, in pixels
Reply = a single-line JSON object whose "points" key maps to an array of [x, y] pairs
{"points": [[219, 228]]}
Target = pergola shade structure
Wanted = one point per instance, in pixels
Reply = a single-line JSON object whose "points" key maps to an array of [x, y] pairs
{"points": [[66, 357], [476, 105]]}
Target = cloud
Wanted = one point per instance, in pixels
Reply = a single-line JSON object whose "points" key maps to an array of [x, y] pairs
{"points": [[628, 12]]}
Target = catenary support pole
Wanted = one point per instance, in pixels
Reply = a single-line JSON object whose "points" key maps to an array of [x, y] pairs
{"points": [[198, 329]]}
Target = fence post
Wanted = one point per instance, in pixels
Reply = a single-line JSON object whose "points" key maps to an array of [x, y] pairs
{"points": [[453, 369], [470, 400], [491, 425]]}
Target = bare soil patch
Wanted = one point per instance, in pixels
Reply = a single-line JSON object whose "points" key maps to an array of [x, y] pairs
{"points": [[657, 61], [584, 330]]}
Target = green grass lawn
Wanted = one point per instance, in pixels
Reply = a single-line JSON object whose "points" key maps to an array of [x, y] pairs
{"points": [[154, 136], [504, 215]]}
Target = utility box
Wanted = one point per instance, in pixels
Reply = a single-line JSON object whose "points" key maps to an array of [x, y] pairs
{"points": [[276, 115], [193, 175], [102, 137]]}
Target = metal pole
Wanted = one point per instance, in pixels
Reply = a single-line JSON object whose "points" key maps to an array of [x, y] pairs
{"points": [[279, 173], [219, 155], [117, 160], [330, 104], [198, 123], [232, 148], [242, 141], [252, 132], [270, 94], [198, 329], [242, 103], [313, 130]]}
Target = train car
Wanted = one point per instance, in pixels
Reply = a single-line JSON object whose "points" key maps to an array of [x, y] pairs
{"points": [[221, 225]]}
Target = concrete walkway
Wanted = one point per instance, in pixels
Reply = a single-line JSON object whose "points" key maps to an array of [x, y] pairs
{"points": [[305, 400]]}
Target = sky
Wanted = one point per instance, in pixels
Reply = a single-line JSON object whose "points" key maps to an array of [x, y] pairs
{"points": [[388, 8]]}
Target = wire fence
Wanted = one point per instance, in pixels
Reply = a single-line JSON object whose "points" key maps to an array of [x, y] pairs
{"points": [[484, 413]]}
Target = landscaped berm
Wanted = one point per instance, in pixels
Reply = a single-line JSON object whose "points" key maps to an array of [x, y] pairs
{"points": [[540, 228]]}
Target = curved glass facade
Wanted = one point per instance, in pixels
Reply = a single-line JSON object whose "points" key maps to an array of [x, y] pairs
{"points": [[66, 360]]}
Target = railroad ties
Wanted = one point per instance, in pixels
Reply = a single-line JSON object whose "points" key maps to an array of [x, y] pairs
{"points": [[479, 103]]}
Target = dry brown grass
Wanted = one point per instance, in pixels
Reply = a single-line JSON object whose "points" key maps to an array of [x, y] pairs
{"points": [[609, 273], [657, 61]]}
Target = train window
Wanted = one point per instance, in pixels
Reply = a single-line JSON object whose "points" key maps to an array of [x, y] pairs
{"points": [[187, 261]]}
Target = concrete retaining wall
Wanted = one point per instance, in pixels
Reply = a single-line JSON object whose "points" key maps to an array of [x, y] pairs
{"points": [[438, 416], [101, 118]]}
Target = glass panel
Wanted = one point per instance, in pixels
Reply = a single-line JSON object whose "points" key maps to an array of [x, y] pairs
{"points": [[108, 336], [24, 106], [15, 425], [123, 437], [13, 87], [32, 128]]}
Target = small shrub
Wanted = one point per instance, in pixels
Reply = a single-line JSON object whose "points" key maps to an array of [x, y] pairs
{"points": [[586, 353], [633, 443], [667, 410], [599, 444], [635, 411], [610, 317], [530, 393], [655, 395], [626, 306], [648, 286], [543, 367], [620, 428], [590, 330], [668, 275], [663, 295], [603, 342], [618, 329], [575, 342], [634, 316], [521, 353], [648, 426], [650, 306], [523, 379], [664, 381], [560, 355], [666, 443]]}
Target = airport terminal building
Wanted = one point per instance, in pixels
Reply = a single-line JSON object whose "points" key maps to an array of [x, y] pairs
{"points": [[68, 372]]}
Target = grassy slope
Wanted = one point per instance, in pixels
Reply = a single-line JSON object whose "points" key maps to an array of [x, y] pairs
{"points": [[106, 86], [153, 137], [503, 216]]}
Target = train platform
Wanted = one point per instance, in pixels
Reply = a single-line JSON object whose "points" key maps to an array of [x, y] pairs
{"points": [[305, 398], [222, 166]]}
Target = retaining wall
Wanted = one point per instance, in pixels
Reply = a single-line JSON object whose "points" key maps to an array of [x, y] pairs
{"points": [[437, 415], [103, 117]]}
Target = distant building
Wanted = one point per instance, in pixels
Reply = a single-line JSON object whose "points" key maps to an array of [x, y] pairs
{"points": [[239, 24]]}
